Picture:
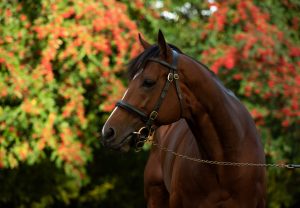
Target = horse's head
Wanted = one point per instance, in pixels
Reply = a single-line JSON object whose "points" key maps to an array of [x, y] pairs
{"points": [[153, 97]]}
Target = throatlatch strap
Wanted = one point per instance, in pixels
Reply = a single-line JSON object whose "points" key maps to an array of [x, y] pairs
{"points": [[174, 71], [179, 94]]}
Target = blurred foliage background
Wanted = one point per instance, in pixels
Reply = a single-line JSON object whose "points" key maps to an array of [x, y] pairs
{"points": [[61, 71]]}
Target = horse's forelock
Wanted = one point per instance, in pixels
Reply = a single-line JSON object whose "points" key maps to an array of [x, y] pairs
{"points": [[136, 64]]}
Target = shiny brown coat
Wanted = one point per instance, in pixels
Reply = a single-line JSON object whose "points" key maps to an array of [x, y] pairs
{"points": [[210, 123]]}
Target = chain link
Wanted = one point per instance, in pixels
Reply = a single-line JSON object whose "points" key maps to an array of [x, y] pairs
{"points": [[212, 162]]}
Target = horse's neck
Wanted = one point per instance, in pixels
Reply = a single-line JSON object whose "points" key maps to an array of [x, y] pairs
{"points": [[213, 116]]}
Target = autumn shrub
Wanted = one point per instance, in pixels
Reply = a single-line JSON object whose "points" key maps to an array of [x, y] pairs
{"points": [[61, 66], [60, 62]]}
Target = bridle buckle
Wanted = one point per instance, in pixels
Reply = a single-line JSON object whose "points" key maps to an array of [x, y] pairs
{"points": [[153, 115], [170, 77], [176, 76]]}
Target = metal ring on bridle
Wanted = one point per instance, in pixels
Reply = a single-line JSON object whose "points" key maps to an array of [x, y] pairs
{"points": [[140, 132], [143, 134]]}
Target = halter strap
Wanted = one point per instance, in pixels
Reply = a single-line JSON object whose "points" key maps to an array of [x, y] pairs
{"points": [[173, 75], [172, 66], [132, 109]]}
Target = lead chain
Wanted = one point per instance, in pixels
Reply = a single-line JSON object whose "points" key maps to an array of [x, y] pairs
{"points": [[212, 162]]}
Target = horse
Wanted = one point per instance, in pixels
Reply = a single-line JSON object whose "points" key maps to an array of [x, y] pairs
{"points": [[187, 109]]}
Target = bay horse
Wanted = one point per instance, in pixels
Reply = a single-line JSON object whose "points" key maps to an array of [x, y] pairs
{"points": [[187, 109]]}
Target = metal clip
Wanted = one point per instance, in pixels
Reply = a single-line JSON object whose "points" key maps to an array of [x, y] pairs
{"points": [[139, 146], [292, 166], [142, 131], [176, 76], [170, 77], [143, 135]]}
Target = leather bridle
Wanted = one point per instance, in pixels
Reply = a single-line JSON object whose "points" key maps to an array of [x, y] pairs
{"points": [[146, 131]]}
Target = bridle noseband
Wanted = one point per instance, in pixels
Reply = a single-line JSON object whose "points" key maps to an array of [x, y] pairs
{"points": [[147, 131]]}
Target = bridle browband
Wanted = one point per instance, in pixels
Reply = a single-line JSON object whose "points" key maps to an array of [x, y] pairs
{"points": [[145, 132]]}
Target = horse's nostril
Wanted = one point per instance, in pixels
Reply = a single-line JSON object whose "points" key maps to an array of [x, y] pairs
{"points": [[109, 133]]}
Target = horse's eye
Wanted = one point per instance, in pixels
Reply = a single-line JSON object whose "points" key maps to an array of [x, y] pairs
{"points": [[148, 83]]}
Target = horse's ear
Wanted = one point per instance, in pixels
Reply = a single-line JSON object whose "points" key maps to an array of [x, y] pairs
{"points": [[165, 50], [144, 43]]}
